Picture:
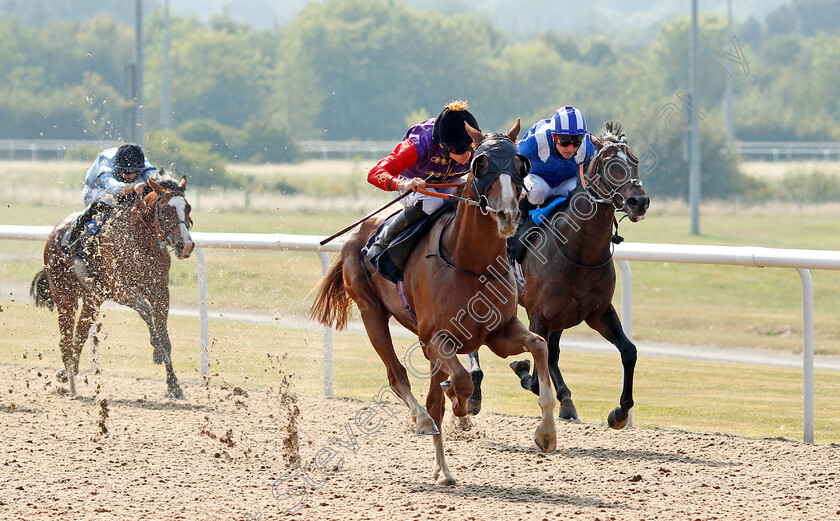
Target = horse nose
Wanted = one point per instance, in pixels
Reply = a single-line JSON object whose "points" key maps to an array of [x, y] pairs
{"points": [[187, 250], [640, 203]]}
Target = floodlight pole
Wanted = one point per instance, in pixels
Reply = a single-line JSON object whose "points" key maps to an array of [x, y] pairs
{"points": [[166, 103], [694, 146], [730, 125], [138, 64]]}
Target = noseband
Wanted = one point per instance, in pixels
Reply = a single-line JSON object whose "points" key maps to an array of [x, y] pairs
{"points": [[610, 198]]}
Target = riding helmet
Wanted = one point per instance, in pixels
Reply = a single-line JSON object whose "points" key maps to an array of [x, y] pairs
{"points": [[449, 129], [569, 121], [129, 157]]}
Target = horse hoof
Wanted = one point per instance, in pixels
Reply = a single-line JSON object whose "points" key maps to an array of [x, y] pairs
{"points": [[568, 411], [61, 376], [448, 481], [617, 418], [521, 367], [176, 394], [546, 441], [426, 428]]}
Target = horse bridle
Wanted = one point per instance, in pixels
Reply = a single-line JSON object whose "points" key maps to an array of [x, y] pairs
{"points": [[166, 240], [610, 198], [480, 187]]}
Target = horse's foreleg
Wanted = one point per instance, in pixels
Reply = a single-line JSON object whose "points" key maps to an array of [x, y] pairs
{"points": [[441, 351], [477, 375], [436, 405], [514, 338], [610, 328], [375, 318]]}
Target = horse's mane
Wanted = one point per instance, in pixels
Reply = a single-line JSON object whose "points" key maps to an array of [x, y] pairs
{"points": [[168, 182], [613, 131]]}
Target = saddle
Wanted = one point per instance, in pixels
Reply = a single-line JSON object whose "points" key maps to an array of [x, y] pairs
{"points": [[391, 262], [529, 227]]}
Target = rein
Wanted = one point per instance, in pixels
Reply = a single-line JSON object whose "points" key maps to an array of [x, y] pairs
{"points": [[452, 197]]}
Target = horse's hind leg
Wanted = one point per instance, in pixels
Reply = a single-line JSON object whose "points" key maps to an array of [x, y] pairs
{"points": [[67, 308], [436, 404], [477, 375], [522, 368], [610, 328], [375, 318]]}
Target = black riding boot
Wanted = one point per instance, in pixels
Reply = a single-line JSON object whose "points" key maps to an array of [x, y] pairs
{"points": [[401, 222], [84, 244], [525, 206]]}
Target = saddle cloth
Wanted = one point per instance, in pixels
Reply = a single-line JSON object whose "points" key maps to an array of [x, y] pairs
{"points": [[391, 262]]}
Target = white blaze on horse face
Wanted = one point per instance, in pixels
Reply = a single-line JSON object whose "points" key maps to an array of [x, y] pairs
{"points": [[180, 205], [508, 197]]}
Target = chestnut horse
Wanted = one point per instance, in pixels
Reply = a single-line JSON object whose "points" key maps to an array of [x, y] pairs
{"points": [[569, 274], [132, 269], [457, 282]]}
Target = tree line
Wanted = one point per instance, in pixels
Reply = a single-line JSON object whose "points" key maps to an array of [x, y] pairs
{"points": [[367, 69]]}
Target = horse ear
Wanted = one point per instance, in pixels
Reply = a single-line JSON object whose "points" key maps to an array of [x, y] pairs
{"points": [[155, 186], [183, 182], [596, 142], [513, 133], [476, 135]]}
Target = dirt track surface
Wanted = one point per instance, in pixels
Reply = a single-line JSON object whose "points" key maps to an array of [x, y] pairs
{"points": [[217, 454]]}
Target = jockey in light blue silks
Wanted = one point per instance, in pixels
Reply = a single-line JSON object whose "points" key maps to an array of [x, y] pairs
{"points": [[557, 148], [115, 173]]}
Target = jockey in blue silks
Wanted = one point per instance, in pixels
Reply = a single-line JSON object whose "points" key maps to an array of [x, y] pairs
{"points": [[557, 148]]}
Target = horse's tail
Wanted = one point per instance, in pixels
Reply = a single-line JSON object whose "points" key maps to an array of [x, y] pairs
{"points": [[40, 290], [332, 303]]}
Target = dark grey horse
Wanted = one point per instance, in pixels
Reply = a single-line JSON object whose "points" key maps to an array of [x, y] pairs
{"points": [[569, 273]]}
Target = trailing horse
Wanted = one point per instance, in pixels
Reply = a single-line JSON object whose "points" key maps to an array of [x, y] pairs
{"points": [[132, 269], [569, 274], [457, 282]]}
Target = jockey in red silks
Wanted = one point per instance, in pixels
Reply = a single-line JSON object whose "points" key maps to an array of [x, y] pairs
{"points": [[437, 150]]}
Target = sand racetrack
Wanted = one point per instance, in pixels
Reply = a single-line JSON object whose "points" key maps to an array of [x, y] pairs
{"points": [[217, 454]]}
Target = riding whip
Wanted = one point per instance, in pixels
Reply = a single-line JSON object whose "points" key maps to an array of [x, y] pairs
{"points": [[368, 216]]}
